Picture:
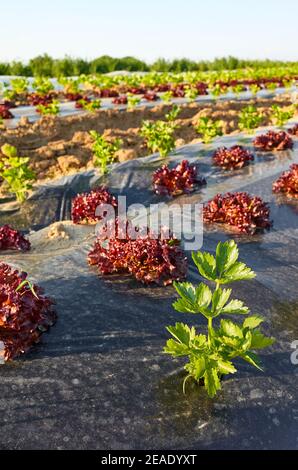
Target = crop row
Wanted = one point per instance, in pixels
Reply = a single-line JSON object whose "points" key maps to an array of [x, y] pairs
{"points": [[87, 91]]}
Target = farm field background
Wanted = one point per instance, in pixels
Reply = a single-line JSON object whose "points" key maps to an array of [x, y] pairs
{"points": [[148, 228]]}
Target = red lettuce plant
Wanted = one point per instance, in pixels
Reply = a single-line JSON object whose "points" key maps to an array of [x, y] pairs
{"points": [[149, 259], [11, 239], [74, 96], [136, 90], [273, 141], [294, 130], [232, 158], [120, 100], [82, 101], [84, 205], [247, 214], [9, 104], [288, 182], [150, 96], [108, 93], [25, 313], [202, 88], [35, 99], [4, 112], [181, 179]]}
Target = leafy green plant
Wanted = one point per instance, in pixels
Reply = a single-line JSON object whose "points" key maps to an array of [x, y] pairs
{"points": [[217, 90], [191, 93], [209, 129], [15, 172], [271, 86], [19, 85], [104, 151], [90, 106], [237, 89], [210, 356], [167, 96], [42, 85], [249, 119], [132, 101], [8, 93], [159, 136], [49, 108], [280, 116], [173, 113], [254, 88]]}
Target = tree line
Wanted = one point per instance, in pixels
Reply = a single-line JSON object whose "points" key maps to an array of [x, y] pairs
{"points": [[44, 65]]}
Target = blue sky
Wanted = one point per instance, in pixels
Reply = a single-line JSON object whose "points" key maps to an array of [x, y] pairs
{"points": [[198, 29]]}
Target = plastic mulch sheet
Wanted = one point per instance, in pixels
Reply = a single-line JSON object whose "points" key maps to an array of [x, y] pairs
{"points": [[99, 379]]}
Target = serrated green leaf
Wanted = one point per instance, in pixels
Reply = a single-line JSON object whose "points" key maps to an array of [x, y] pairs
{"points": [[212, 382], [176, 349], [226, 255], [235, 307], [182, 333], [199, 342], [253, 321], [260, 341], [226, 367], [203, 295], [220, 298], [196, 367], [231, 329], [238, 272], [252, 359], [193, 300], [206, 264]]}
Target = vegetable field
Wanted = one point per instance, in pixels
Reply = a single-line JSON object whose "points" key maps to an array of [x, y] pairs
{"points": [[113, 336]]}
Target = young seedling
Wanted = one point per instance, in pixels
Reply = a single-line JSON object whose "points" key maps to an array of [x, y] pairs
{"points": [[159, 136], [280, 116], [132, 101], [167, 96], [19, 85], [209, 129], [42, 85], [104, 151], [254, 88], [49, 108], [173, 113], [211, 356], [237, 89], [90, 106], [217, 90], [191, 93], [15, 172], [249, 119]]}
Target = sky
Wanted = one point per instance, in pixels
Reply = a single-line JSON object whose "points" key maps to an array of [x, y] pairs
{"points": [[196, 29]]}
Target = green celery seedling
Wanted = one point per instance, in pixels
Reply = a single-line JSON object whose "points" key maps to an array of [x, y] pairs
{"points": [[15, 172], [132, 101], [90, 106], [42, 85], [249, 119], [104, 151], [209, 129], [159, 136], [191, 93], [167, 96], [19, 85], [210, 356], [173, 113], [254, 88], [49, 109], [280, 116]]}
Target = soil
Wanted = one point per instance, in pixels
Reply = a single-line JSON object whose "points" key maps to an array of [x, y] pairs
{"points": [[60, 146]]}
